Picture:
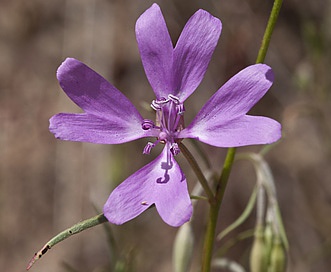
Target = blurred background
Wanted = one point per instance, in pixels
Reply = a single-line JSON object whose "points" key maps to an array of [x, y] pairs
{"points": [[47, 185]]}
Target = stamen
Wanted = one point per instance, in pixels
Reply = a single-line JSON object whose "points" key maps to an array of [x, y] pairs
{"points": [[147, 124], [180, 113], [175, 149], [171, 115], [148, 148], [169, 121], [162, 101], [157, 104], [150, 145], [180, 109], [174, 99]]}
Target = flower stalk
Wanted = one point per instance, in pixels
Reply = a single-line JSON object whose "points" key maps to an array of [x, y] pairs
{"points": [[269, 30], [214, 210], [221, 186]]}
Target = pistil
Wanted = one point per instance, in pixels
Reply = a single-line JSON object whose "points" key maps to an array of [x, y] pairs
{"points": [[169, 121]]}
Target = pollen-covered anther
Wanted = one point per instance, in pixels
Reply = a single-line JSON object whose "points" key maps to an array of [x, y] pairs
{"points": [[180, 109], [174, 99], [148, 148], [147, 124], [175, 149], [157, 104]]}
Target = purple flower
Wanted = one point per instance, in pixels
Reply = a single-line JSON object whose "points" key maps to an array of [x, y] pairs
{"points": [[174, 73]]}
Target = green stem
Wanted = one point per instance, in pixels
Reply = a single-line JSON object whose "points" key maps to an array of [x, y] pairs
{"points": [[221, 186], [86, 224], [214, 210], [195, 166], [269, 30]]}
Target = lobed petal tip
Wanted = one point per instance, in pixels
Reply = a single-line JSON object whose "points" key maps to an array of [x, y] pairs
{"points": [[155, 5], [264, 69], [277, 132], [206, 14], [68, 61], [153, 8], [63, 68], [53, 126], [270, 75]]}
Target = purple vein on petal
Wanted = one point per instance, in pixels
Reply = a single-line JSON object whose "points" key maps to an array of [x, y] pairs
{"points": [[177, 71]]}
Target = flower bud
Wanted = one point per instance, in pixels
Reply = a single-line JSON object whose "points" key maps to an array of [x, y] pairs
{"points": [[268, 240], [258, 258], [277, 258]]}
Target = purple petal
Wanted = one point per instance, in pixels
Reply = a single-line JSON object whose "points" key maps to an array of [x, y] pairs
{"points": [[238, 95], [110, 117], [156, 50], [160, 182], [222, 121], [93, 129], [245, 130], [193, 52], [93, 93]]}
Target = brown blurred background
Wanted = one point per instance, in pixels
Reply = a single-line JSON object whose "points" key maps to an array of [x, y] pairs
{"points": [[47, 185]]}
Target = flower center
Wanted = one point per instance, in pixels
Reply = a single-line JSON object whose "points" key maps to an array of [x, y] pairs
{"points": [[169, 121]]}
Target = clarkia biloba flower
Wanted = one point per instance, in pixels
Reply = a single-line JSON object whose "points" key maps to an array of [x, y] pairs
{"points": [[174, 74]]}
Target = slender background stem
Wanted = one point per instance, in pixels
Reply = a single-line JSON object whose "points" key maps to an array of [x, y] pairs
{"points": [[269, 30], [221, 186], [214, 210], [86, 224]]}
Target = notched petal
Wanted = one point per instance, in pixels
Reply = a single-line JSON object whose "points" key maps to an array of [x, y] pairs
{"points": [[223, 121], [238, 95], [109, 118], [193, 52], [94, 94], [156, 50], [160, 182]]}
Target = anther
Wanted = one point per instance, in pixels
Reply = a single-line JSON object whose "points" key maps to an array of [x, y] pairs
{"points": [[158, 104], [180, 109], [175, 149], [148, 148], [155, 106], [174, 99], [147, 124]]}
